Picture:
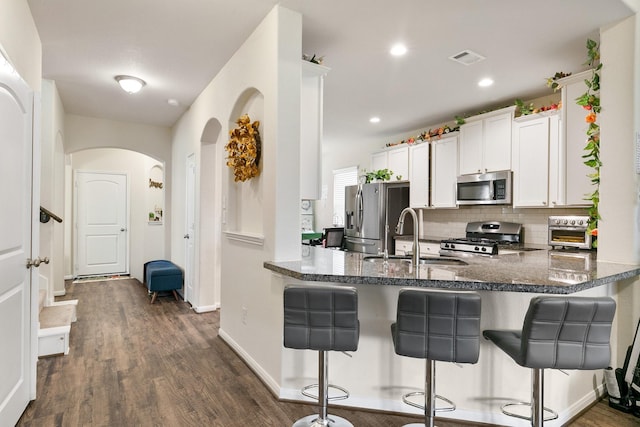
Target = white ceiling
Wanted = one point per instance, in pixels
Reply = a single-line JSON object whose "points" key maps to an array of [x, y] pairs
{"points": [[178, 46]]}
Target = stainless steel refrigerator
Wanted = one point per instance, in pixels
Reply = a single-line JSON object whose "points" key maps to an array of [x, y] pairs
{"points": [[371, 214]]}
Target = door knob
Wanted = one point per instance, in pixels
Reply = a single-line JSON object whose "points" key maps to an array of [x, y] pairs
{"points": [[36, 262]]}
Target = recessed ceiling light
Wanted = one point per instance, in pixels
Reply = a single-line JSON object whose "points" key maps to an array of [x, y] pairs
{"points": [[173, 102], [374, 120], [485, 82], [130, 84], [398, 49]]}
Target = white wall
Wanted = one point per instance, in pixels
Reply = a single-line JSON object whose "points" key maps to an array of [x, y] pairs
{"points": [[619, 229], [52, 190], [267, 66], [85, 133], [20, 41], [146, 241]]}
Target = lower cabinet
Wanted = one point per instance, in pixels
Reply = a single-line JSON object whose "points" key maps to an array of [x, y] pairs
{"points": [[405, 247]]}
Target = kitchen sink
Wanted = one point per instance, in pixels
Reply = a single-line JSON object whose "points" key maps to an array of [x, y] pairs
{"points": [[398, 259]]}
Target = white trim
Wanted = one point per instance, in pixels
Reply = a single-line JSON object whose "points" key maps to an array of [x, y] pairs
{"points": [[239, 236], [268, 381], [495, 418], [59, 293], [205, 308]]}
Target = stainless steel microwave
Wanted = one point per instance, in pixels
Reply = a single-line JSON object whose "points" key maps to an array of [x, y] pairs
{"points": [[493, 188]]}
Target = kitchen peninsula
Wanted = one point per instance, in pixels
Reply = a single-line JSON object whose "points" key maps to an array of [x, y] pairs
{"points": [[526, 271], [376, 377]]}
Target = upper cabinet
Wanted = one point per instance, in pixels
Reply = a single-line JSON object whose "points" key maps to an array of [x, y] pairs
{"points": [[535, 161], [432, 173], [574, 136], [485, 142], [419, 175], [394, 159], [311, 123], [444, 171]]}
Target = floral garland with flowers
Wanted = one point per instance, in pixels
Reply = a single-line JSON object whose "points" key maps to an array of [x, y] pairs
{"points": [[244, 149], [590, 101]]}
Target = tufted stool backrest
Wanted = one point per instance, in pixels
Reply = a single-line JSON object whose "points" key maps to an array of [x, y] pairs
{"points": [[435, 325], [567, 333], [321, 318]]}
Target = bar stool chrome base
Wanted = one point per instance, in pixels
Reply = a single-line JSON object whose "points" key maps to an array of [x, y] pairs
{"points": [[552, 414], [405, 399], [344, 395], [315, 421]]}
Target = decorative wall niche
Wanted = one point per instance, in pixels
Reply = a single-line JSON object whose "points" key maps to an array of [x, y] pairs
{"points": [[243, 206], [155, 195]]}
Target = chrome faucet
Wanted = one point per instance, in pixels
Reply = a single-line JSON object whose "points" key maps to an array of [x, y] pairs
{"points": [[415, 256]]}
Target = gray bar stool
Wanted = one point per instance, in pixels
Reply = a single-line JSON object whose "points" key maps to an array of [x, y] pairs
{"points": [[558, 333], [436, 325], [321, 318]]}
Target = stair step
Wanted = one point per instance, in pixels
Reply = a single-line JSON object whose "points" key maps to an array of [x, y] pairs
{"points": [[57, 315]]}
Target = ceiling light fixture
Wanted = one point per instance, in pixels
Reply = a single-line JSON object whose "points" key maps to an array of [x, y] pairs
{"points": [[130, 84], [374, 120], [398, 49], [485, 82]]}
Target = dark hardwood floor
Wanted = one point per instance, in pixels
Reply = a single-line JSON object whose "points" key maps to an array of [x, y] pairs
{"points": [[136, 364]]}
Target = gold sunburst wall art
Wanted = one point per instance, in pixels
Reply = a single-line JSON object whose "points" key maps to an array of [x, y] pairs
{"points": [[243, 149]]}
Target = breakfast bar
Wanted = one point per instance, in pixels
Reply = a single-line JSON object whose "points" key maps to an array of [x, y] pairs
{"points": [[377, 378]]}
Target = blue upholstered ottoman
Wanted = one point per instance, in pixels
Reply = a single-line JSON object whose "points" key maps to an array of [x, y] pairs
{"points": [[162, 275]]}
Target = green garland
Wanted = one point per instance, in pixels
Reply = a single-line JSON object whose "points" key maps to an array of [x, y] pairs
{"points": [[590, 101]]}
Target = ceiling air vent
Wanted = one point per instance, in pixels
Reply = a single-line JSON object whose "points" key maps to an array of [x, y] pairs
{"points": [[467, 57]]}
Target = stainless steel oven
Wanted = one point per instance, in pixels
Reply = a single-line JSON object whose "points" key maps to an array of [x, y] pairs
{"points": [[569, 231]]}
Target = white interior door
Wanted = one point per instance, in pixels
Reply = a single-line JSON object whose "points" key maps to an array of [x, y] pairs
{"points": [[101, 222], [189, 236], [17, 330]]}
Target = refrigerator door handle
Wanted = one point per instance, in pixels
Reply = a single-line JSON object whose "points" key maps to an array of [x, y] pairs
{"points": [[359, 210]]}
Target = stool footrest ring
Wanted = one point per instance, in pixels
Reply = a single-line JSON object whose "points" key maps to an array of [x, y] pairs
{"points": [[552, 414], [405, 399], [344, 395]]}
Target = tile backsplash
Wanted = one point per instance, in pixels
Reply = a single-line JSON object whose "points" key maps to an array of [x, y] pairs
{"points": [[447, 223]]}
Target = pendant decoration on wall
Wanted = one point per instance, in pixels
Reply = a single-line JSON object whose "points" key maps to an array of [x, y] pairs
{"points": [[244, 149]]}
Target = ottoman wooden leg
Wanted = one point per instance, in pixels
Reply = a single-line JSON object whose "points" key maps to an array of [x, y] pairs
{"points": [[175, 295], [153, 297]]}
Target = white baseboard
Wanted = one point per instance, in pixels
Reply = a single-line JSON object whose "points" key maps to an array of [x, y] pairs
{"points": [[59, 293], [396, 406], [205, 308], [270, 383], [69, 277]]}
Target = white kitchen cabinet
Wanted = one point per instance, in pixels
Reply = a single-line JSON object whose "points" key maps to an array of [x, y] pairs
{"points": [[444, 171], [485, 142], [394, 159], [574, 136], [419, 175], [398, 162], [311, 124], [405, 247], [379, 160], [531, 145]]}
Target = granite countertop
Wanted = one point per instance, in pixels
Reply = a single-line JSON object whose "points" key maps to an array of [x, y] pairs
{"points": [[539, 271]]}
